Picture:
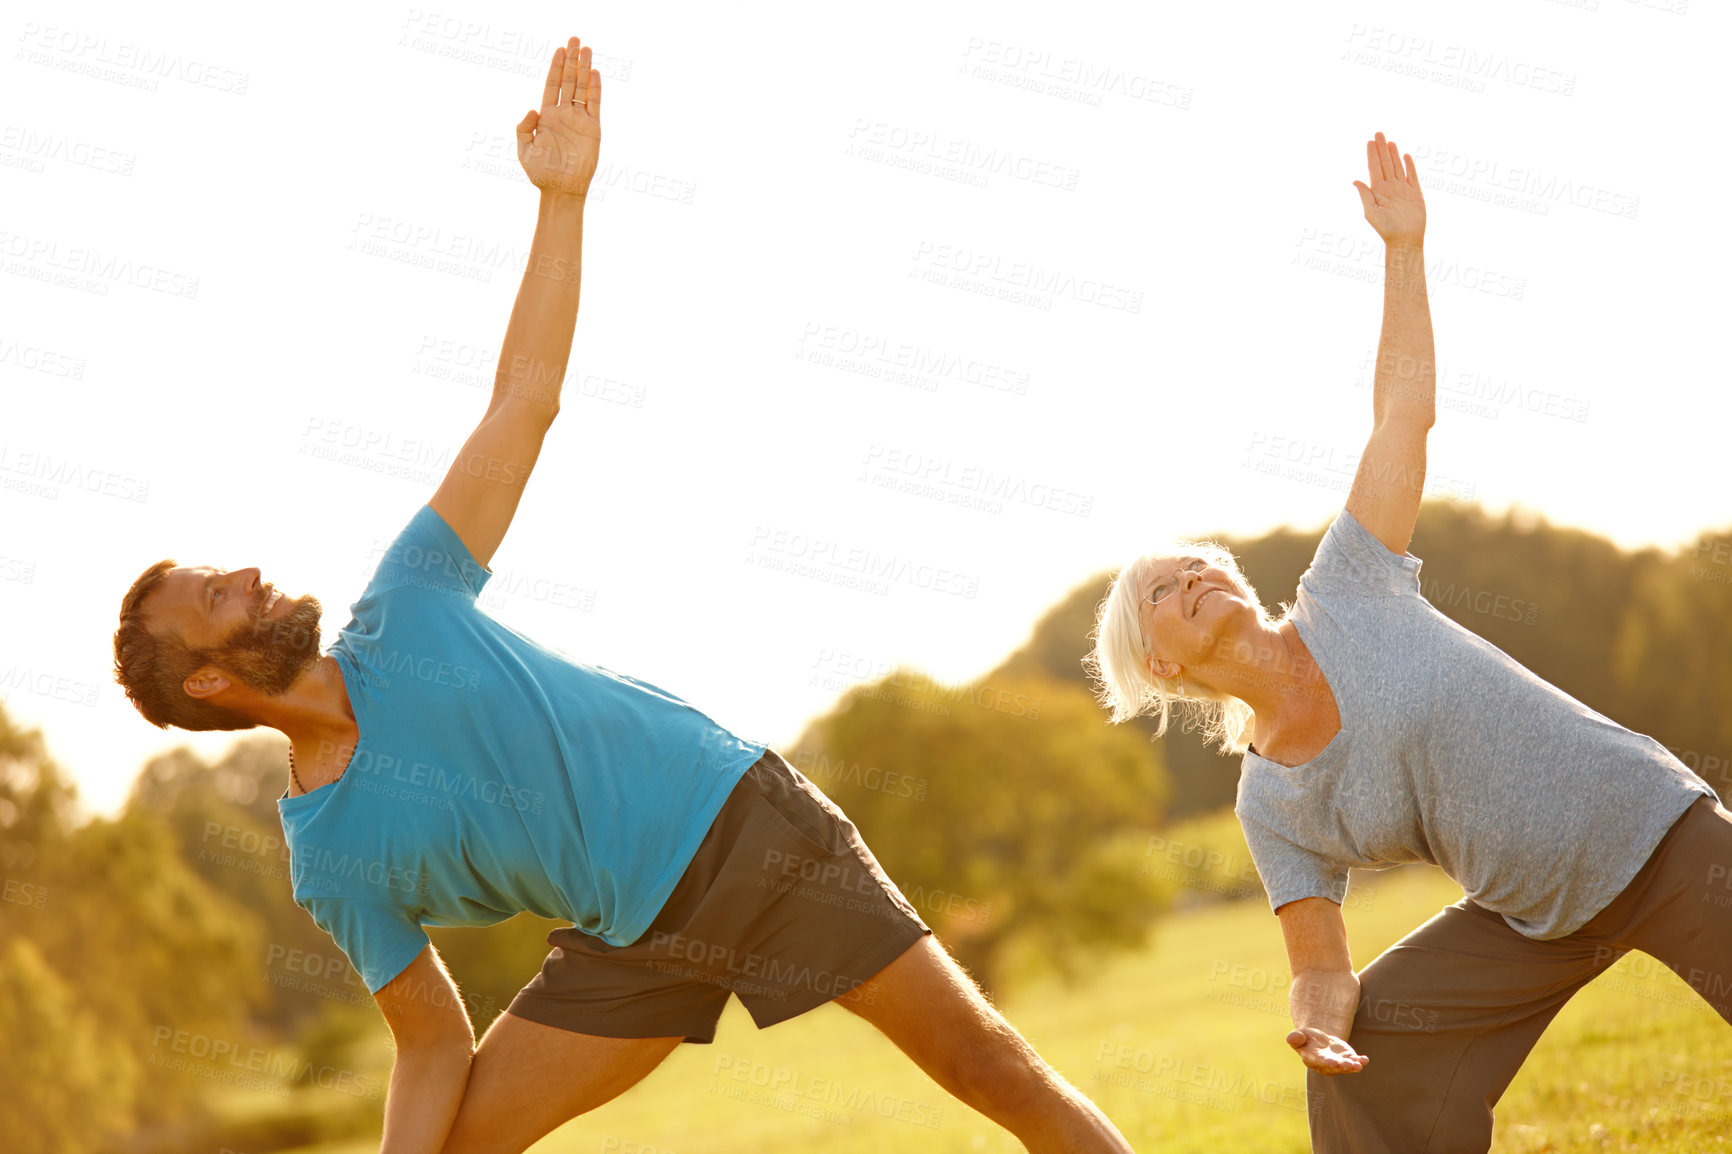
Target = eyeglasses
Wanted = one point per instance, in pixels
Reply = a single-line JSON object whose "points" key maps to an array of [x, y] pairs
{"points": [[1165, 587]]}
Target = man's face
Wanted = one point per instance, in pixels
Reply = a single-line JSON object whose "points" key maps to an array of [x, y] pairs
{"points": [[259, 638]]}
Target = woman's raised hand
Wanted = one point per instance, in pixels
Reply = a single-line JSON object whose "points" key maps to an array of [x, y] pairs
{"points": [[1393, 204], [558, 144]]}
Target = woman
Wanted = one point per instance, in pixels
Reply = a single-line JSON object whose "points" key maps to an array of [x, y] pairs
{"points": [[1376, 731]]}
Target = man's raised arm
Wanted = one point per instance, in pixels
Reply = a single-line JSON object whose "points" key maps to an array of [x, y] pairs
{"points": [[558, 146]]}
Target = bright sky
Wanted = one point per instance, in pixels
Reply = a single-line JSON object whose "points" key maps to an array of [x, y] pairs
{"points": [[958, 304]]}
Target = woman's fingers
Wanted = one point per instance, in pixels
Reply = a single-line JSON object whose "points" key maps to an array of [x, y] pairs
{"points": [[1324, 1053], [568, 75], [550, 92], [1385, 162], [580, 90], [1346, 1060], [571, 78]]}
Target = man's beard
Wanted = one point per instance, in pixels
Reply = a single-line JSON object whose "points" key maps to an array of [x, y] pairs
{"points": [[269, 655]]}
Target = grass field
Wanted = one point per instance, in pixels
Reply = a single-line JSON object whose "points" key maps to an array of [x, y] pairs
{"points": [[1182, 1046]]}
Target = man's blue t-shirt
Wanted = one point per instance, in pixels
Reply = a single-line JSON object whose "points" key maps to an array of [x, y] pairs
{"points": [[493, 774]]}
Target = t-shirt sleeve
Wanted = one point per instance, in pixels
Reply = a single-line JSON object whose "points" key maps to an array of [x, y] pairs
{"points": [[1350, 559], [428, 554], [380, 940], [1290, 871]]}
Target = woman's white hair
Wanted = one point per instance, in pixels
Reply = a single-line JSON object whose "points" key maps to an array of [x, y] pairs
{"points": [[1121, 652]]}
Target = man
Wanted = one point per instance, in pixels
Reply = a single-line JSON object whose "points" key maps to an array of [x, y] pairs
{"points": [[447, 770]]}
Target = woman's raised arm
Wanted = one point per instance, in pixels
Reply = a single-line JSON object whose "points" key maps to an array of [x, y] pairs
{"points": [[1391, 474]]}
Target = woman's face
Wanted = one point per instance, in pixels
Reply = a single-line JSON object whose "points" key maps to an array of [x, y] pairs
{"points": [[1198, 604]]}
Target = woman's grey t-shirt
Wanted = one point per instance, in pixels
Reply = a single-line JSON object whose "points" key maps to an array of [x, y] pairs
{"points": [[1451, 752]]}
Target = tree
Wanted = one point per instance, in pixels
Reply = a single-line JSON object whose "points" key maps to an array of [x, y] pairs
{"points": [[1010, 816], [109, 936], [69, 1082], [38, 805], [148, 949], [1671, 661]]}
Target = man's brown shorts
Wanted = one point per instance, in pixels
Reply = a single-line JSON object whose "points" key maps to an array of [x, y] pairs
{"points": [[783, 906]]}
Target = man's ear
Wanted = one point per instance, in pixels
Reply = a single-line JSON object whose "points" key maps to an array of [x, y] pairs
{"points": [[205, 681]]}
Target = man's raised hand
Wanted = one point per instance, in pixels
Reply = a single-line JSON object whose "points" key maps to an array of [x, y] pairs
{"points": [[1393, 204], [1325, 1053], [558, 144]]}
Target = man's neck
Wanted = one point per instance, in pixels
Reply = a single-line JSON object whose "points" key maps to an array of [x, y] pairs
{"points": [[315, 710]]}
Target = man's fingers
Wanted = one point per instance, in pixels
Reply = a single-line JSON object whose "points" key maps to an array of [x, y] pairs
{"points": [[1412, 173], [526, 129], [593, 100], [580, 90], [1297, 1039], [550, 92], [1365, 197]]}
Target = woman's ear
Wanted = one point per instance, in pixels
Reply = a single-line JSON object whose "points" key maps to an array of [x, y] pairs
{"points": [[1162, 668]]}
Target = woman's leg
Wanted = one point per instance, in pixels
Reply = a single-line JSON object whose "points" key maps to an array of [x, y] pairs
{"points": [[1679, 908], [1446, 1016], [1449, 1013]]}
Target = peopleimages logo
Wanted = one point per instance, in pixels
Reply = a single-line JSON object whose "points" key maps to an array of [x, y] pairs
{"points": [[452, 784], [826, 559], [379, 660], [329, 866]]}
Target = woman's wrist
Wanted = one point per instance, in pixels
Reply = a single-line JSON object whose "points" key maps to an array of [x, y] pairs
{"points": [[1325, 1000]]}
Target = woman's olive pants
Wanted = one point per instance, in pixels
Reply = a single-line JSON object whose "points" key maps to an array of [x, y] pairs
{"points": [[1448, 1014]]}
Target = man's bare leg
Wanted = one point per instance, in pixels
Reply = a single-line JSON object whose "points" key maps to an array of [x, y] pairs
{"points": [[527, 1080], [926, 1004]]}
